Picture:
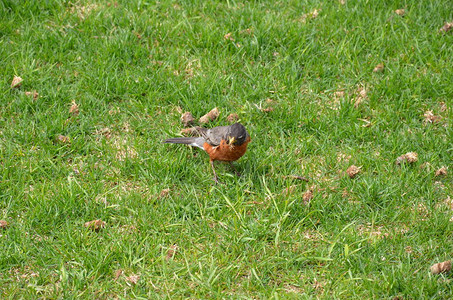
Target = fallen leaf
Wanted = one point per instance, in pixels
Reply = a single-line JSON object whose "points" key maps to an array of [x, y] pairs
{"points": [[118, 273], [34, 94], [171, 252], [164, 193], [95, 225], [307, 196], [228, 36], [3, 224], [400, 12], [362, 96], [190, 132], [378, 68], [133, 279], [17, 82], [447, 27], [311, 15], [430, 117], [353, 171], [187, 119], [442, 267], [232, 118], [74, 109], [63, 139], [410, 157], [441, 172], [210, 116]]}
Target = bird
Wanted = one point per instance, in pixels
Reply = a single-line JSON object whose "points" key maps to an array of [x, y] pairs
{"points": [[222, 143]]}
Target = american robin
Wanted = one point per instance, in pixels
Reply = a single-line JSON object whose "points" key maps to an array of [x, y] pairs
{"points": [[224, 143]]}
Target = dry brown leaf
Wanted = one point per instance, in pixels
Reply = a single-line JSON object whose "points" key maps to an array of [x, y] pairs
{"points": [[95, 225], [63, 139], [353, 171], [430, 117], [311, 15], [232, 118], [400, 12], [34, 94], [190, 132], [74, 109], [410, 157], [449, 202], [362, 96], [118, 273], [164, 193], [441, 172], [187, 119], [171, 252], [307, 196], [210, 116], [17, 82], [442, 267], [228, 36], [447, 27], [133, 279], [3, 224], [378, 68]]}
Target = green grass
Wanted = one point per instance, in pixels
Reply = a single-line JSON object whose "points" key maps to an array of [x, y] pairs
{"points": [[134, 66]]}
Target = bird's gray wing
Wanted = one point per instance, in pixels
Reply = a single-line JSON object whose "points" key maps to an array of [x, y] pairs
{"points": [[215, 135]]}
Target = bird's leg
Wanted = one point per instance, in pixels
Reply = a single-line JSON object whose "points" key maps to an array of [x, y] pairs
{"points": [[213, 170], [234, 169]]}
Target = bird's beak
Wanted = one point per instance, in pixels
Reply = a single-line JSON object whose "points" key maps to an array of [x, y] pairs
{"points": [[231, 140]]}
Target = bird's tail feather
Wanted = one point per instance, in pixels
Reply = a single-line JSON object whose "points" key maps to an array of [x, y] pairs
{"points": [[192, 141]]}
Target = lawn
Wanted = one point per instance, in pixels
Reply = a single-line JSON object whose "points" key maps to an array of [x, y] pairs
{"points": [[320, 85]]}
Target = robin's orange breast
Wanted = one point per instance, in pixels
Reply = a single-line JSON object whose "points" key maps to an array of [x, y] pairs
{"points": [[226, 152]]}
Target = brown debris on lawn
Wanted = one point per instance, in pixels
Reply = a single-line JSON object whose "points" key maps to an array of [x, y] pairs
{"points": [[442, 267], [228, 37], [410, 157], [164, 193], [171, 252], [118, 273], [95, 225], [362, 95], [441, 172], [378, 68], [430, 117], [400, 12], [232, 118], [187, 119], [447, 27], [190, 132], [352, 171], [210, 116], [307, 196], [132, 280], [17, 82], [63, 139], [33, 93], [3, 224], [74, 109]]}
